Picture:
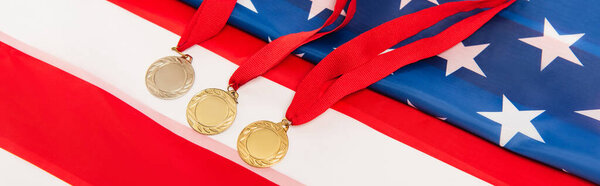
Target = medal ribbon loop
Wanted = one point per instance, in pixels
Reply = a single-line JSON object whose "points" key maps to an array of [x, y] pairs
{"points": [[359, 62], [213, 15], [272, 54]]}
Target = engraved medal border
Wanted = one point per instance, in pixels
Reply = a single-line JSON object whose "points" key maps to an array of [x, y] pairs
{"points": [[253, 127], [211, 130], [150, 74]]}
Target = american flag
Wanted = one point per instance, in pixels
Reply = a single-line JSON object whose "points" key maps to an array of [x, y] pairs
{"points": [[527, 80], [74, 108]]}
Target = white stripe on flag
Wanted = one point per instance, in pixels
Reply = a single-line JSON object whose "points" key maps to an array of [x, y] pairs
{"points": [[16, 171], [117, 46]]}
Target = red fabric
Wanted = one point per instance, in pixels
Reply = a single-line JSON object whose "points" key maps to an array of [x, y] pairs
{"points": [[401, 122], [358, 63], [84, 135], [273, 53], [209, 19]]}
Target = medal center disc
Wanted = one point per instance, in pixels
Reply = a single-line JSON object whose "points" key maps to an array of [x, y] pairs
{"points": [[211, 111], [170, 77], [263, 143]]}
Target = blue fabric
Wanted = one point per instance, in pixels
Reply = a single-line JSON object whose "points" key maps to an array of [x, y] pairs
{"points": [[512, 68]]}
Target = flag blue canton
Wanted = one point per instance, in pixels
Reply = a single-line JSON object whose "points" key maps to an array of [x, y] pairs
{"points": [[527, 80]]}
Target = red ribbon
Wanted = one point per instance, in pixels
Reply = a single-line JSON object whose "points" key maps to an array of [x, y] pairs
{"points": [[355, 64], [208, 21], [358, 63], [272, 54]]}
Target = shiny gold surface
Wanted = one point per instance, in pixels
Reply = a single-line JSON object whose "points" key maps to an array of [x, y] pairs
{"points": [[211, 111], [170, 77], [263, 143]]}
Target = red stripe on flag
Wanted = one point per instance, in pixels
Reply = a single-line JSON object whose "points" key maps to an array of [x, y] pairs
{"points": [[401, 122], [84, 135]]}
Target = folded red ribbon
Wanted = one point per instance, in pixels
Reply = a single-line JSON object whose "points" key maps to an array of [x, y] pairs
{"points": [[208, 21], [272, 54], [359, 62]]}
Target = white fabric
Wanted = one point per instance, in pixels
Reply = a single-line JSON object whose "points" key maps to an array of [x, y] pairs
{"points": [[16, 171]]}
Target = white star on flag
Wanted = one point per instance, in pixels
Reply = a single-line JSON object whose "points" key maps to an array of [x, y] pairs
{"points": [[410, 103], [554, 45], [514, 121], [405, 2], [248, 4], [594, 114], [460, 56], [317, 6], [386, 51]]}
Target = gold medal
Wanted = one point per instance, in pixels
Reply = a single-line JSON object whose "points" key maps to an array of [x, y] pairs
{"points": [[212, 111], [170, 77], [263, 143]]}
